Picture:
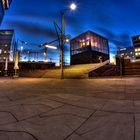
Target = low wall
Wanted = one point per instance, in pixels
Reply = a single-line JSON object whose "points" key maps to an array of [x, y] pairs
{"points": [[25, 66]]}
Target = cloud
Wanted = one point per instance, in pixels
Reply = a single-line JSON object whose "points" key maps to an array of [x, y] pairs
{"points": [[121, 40], [33, 29]]}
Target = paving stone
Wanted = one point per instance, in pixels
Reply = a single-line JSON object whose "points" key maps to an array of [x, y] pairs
{"points": [[50, 109], [15, 136], [69, 97], [108, 126], [26, 110], [76, 137], [6, 117], [87, 102], [119, 106], [53, 127], [69, 110], [137, 126], [91, 103]]}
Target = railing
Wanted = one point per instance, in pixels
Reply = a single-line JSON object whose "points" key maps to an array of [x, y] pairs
{"points": [[100, 65]]}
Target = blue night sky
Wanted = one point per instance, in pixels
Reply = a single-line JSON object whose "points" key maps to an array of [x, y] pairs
{"points": [[117, 20]]}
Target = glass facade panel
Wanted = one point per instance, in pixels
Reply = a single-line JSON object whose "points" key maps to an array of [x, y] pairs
{"points": [[89, 41]]}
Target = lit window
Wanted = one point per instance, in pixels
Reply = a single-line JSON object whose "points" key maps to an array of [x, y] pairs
{"points": [[5, 52], [137, 54], [136, 50], [84, 44], [95, 44], [88, 43], [0, 51]]}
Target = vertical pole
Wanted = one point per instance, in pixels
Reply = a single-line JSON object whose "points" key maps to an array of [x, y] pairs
{"points": [[45, 54], [62, 43], [16, 67], [120, 59], [37, 56], [6, 66], [28, 56]]}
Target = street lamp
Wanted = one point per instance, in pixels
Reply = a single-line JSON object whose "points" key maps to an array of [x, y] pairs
{"points": [[51, 47], [72, 6], [46, 46]]}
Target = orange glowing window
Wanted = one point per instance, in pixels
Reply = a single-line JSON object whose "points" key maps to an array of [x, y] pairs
{"points": [[84, 44], [88, 43], [95, 44]]}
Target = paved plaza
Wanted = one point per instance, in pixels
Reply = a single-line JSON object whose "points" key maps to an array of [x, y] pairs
{"points": [[50, 109]]}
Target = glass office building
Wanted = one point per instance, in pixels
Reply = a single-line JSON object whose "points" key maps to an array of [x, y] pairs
{"points": [[127, 52], [136, 45], [7, 45], [89, 47]]}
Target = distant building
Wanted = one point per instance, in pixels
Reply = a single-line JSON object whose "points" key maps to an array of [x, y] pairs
{"points": [[7, 45], [136, 45], [4, 5], [127, 52], [89, 47]]}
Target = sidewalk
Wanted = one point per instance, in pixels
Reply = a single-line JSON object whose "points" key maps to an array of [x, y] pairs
{"points": [[90, 109]]}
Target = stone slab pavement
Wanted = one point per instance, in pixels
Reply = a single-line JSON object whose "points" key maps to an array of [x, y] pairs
{"points": [[53, 109]]}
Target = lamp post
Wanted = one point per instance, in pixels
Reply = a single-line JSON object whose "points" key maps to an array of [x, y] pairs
{"points": [[16, 67], [6, 67], [120, 62], [73, 6], [62, 43]]}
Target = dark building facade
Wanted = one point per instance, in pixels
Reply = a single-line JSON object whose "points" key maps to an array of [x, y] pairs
{"points": [[89, 47], [127, 52], [7, 45], [136, 45]]}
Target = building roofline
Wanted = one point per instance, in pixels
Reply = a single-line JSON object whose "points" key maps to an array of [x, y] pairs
{"points": [[7, 30], [136, 36], [89, 32]]}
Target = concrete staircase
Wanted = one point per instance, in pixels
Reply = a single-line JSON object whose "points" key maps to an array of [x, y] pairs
{"points": [[74, 71], [132, 69], [106, 70]]}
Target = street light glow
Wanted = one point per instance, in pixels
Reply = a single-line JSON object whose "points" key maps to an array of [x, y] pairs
{"points": [[21, 48], [67, 40], [73, 6], [51, 47]]}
